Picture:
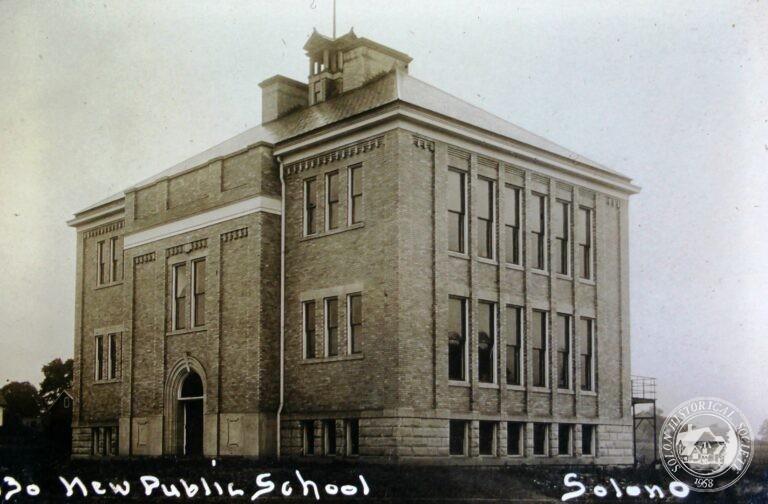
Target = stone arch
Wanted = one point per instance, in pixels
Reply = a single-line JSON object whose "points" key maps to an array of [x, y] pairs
{"points": [[174, 381]]}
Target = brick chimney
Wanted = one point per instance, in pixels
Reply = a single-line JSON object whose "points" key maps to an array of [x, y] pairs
{"points": [[281, 95]]}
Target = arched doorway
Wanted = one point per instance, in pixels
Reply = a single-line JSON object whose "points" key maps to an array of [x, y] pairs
{"points": [[189, 429]]}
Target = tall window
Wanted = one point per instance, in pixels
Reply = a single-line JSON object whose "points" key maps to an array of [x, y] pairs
{"points": [[355, 194], [457, 433], [486, 339], [114, 263], [539, 232], [112, 353], [355, 316], [457, 214], [539, 354], [331, 327], [587, 345], [512, 224], [564, 351], [99, 358], [102, 273], [198, 288], [309, 329], [515, 438], [485, 226], [310, 206], [514, 333], [332, 200], [457, 338], [180, 287], [585, 239], [563, 236]]}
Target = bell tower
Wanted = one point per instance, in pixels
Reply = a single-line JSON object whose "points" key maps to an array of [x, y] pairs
{"points": [[340, 64]]}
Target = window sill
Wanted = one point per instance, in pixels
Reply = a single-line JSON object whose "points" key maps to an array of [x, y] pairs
{"points": [[590, 393], [514, 266], [564, 277], [193, 330], [458, 255], [565, 391], [485, 260], [543, 390], [488, 385], [586, 281], [107, 382], [108, 285], [331, 232], [540, 272], [515, 455], [456, 383], [335, 358], [521, 388]]}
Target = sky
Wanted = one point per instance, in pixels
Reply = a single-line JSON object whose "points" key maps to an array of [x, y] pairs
{"points": [[95, 96]]}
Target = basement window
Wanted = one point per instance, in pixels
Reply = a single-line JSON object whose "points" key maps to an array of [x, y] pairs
{"points": [[458, 437], [487, 438]]}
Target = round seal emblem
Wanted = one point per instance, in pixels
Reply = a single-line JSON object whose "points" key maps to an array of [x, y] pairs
{"points": [[706, 443]]}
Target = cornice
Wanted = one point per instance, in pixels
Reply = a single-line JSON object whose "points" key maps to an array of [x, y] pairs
{"points": [[341, 153]]}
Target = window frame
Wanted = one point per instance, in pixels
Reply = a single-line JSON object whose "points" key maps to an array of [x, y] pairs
{"points": [[592, 341], [520, 440], [491, 306], [465, 437], [564, 242], [351, 195], [489, 240], [592, 440], [98, 350], [541, 262], [112, 359], [113, 260], [465, 334], [587, 259], [519, 336], [545, 342], [102, 271], [565, 323], [175, 303], [194, 294], [547, 436], [350, 325], [310, 210], [463, 226], [565, 427], [494, 436], [329, 202], [515, 229], [306, 330], [327, 327], [329, 434], [308, 437], [352, 438]]}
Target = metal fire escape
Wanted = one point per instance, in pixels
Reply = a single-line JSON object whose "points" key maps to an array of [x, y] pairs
{"points": [[644, 392]]}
